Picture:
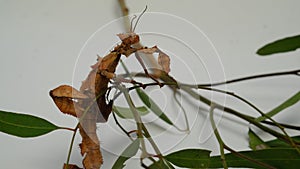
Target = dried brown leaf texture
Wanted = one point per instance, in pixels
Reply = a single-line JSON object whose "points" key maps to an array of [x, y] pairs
{"points": [[90, 146], [163, 59], [89, 83], [68, 91], [74, 102], [91, 98], [65, 99]]}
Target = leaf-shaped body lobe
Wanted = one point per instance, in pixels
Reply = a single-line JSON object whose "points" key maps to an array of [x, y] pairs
{"points": [[163, 59], [110, 62], [89, 83], [67, 91], [64, 96], [90, 146], [65, 105]]}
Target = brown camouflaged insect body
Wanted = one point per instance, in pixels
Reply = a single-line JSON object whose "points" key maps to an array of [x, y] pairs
{"points": [[75, 103]]}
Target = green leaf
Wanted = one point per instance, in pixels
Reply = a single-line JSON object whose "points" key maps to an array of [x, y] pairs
{"points": [[281, 144], [282, 45], [255, 142], [190, 158], [129, 152], [24, 125], [126, 113], [153, 106], [291, 101], [160, 165], [277, 158]]}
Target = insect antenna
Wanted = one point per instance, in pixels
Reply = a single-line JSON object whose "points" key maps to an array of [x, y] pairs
{"points": [[138, 19], [131, 22]]}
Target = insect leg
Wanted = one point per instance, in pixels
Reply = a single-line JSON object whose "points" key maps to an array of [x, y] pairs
{"points": [[107, 74], [121, 79], [138, 57]]}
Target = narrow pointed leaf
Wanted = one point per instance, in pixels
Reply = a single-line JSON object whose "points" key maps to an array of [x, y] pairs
{"points": [[153, 106], [281, 144], [282, 45], [255, 142], [24, 125], [190, 158], [291, 101], [126, 113], [277, 158], [129, 152]]}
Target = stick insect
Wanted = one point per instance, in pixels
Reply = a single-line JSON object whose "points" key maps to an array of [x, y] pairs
{"points": [[95, 88], [107, 66]]}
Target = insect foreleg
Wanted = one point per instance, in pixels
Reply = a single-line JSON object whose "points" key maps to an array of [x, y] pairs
{"points": [[138, 57], [107, 74]]}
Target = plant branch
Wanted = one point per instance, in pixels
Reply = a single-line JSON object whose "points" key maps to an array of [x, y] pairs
{"points": [[283, 125], [230, 93], [236, 113], [186, 86], [184, 112], [257, 109], [127, 133], [224, 146], [218, 136], [125, 13], [71, 145], [121, 127], [292, 72]]}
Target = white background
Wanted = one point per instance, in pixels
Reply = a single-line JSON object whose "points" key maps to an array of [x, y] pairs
{"points": [[40, 41]]}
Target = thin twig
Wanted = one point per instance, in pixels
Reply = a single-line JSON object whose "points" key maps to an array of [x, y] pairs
{"points": [[125, 13], [292, 72], [184, 112], [205, 87], [121, 127], [224, 146], [236, 113], [175, 84], [283, 125], [218, 136], [292, 143], [71, 145], [127, 133]]}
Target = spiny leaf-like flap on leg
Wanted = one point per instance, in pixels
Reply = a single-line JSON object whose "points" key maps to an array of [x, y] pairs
{"points": [[163, 58], [164, 61]]}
